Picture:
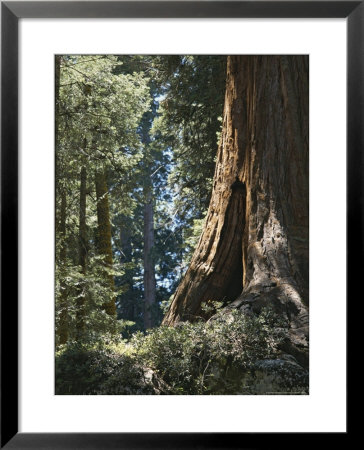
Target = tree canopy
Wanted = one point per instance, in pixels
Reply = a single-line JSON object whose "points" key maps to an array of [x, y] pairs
{"points": [[129, 133]]}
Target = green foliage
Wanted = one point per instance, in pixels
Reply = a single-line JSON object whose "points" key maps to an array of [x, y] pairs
{"points": [[191, 236], [101, 107], [92, 289], [176, 83], [82, 370], [97, 127], [211, 357], [188, 124], [150, 122]]}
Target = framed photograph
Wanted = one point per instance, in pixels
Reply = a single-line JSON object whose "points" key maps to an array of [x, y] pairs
{"points": [[181, 196]]}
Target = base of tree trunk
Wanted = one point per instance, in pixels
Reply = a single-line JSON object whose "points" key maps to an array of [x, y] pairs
{"points": [[253, 252]]}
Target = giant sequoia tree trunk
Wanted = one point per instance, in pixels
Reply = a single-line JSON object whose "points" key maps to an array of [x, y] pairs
{"points": [[253, 250]]}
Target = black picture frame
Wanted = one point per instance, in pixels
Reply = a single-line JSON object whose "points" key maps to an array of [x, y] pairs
{"points": [[11, 12]]}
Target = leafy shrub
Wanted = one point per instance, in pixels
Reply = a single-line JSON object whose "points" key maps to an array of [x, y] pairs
{"points": [[205, 358], [89, 371], [219, 356]]}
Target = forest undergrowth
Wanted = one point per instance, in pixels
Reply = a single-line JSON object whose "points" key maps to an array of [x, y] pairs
{"points": [[220, 356]]}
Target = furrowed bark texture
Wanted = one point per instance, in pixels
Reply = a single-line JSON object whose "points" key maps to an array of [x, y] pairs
{"points": [[104, 234], [253, 251]]}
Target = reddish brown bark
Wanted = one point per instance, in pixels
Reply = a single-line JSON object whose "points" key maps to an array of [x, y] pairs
{"points": [[254, 247]]}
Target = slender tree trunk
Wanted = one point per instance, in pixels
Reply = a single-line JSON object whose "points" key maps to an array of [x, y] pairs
{"points": [[62, 330], [82, 250], [254, 248], [149, 270], [63, 302], [104, 235]]}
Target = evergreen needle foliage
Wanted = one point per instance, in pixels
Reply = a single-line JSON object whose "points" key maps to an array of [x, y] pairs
{"points": [[127, 140]]}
